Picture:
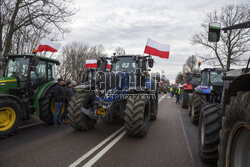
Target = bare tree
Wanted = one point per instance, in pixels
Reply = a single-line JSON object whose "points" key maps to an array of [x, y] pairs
{"points": [[190, 65], [73, 59], [231, 49], [120, 51], [23, 20], [179, 78]]}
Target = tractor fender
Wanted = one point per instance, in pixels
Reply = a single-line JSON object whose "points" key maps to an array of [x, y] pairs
{"points": [[241, 83], [46, 88], [201, 89], [41, 93], [18, 100]]}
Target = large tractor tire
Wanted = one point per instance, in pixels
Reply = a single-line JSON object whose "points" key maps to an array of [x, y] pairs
{"points": [[185, 99], [209, 130], [154, 107], [47, 107], [190, 99], [235, 134], [197, 102], [137, 116], [77, 119], [10, 116]]}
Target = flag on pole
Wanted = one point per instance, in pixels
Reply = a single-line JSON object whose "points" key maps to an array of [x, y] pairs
{"points": [[92, 63], [157, 49], [48, 46], [109, 65]]}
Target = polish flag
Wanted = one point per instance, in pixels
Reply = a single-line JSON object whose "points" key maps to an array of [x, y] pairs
{"points": [[91, 63], [109, 65], [48, 46], [157, 49]]}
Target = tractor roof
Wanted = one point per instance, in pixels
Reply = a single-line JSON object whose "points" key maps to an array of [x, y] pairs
{"points": [[215, 69], [40, 57]]}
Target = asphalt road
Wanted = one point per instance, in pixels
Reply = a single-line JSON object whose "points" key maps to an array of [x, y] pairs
{"points": [[171, 142]]}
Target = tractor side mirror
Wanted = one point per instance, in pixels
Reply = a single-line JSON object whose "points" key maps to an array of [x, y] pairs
{"points": [[150, 63], [214, 32], [34, 61]]}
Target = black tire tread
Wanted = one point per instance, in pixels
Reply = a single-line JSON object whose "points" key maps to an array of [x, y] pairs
{"points": [[134, 117], [77, 119], [198, 101], [211, 114], [46, 114], [237, 111]]}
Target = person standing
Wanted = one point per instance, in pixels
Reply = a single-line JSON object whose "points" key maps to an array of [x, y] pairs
{"points": [[171, 91], [59, 96], [69, 92], [178, 94]]}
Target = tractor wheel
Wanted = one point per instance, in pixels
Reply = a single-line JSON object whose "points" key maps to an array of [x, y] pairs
{"points": [[137, 117], [154, 107], [197, 102], [235, 134], [190, 99], [185, 99], [208, 133], [78, 120], [47, 107], [10, 116]]}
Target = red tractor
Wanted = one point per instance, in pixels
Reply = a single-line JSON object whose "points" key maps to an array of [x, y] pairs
{"points": [[193, 80]]}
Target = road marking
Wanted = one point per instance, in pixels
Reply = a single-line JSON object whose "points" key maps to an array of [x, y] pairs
{"points": [[162, 97], [104, 150], [77, 162], [185, 136]]}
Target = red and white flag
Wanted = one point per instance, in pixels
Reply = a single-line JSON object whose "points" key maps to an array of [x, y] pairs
{"points": [[109, 65], [48, 46], [157, 49], [92, 63]]}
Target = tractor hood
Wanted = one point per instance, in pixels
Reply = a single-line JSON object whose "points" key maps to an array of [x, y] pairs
{"points": [[7, 83]]}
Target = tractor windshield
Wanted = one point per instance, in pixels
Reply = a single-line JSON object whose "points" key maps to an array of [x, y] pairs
{"points": [[216, 77], [17, 67], [212, 77], [91, 75], [196, 79], [124, 64]]}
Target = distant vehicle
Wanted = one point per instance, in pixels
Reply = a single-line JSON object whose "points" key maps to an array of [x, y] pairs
{"points": [[162, 87], [193, 80]]}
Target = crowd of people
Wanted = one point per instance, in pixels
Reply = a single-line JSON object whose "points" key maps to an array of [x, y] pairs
{"points": [[62, 95]]}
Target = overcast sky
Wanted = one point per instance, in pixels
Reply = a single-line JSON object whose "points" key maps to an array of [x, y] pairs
{"points": [[129, 23]]}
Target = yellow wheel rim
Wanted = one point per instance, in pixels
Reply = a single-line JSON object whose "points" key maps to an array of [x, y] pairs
{"points": [[7, 118], [53, 107]]}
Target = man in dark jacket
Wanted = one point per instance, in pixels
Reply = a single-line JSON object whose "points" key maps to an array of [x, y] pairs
{"points": [[59, 96], [69, 91]]}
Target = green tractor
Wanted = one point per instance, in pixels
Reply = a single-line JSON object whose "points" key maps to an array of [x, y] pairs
{"points": [[26, 89]]}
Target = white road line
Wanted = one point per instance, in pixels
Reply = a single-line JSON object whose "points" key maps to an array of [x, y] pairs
{"points": [[162, 97], [104, 150], [77, 162], [186, 137]]}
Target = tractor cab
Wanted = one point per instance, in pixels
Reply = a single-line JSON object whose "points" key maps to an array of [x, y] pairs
{"points": [[26, 73], [211, 83]]}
